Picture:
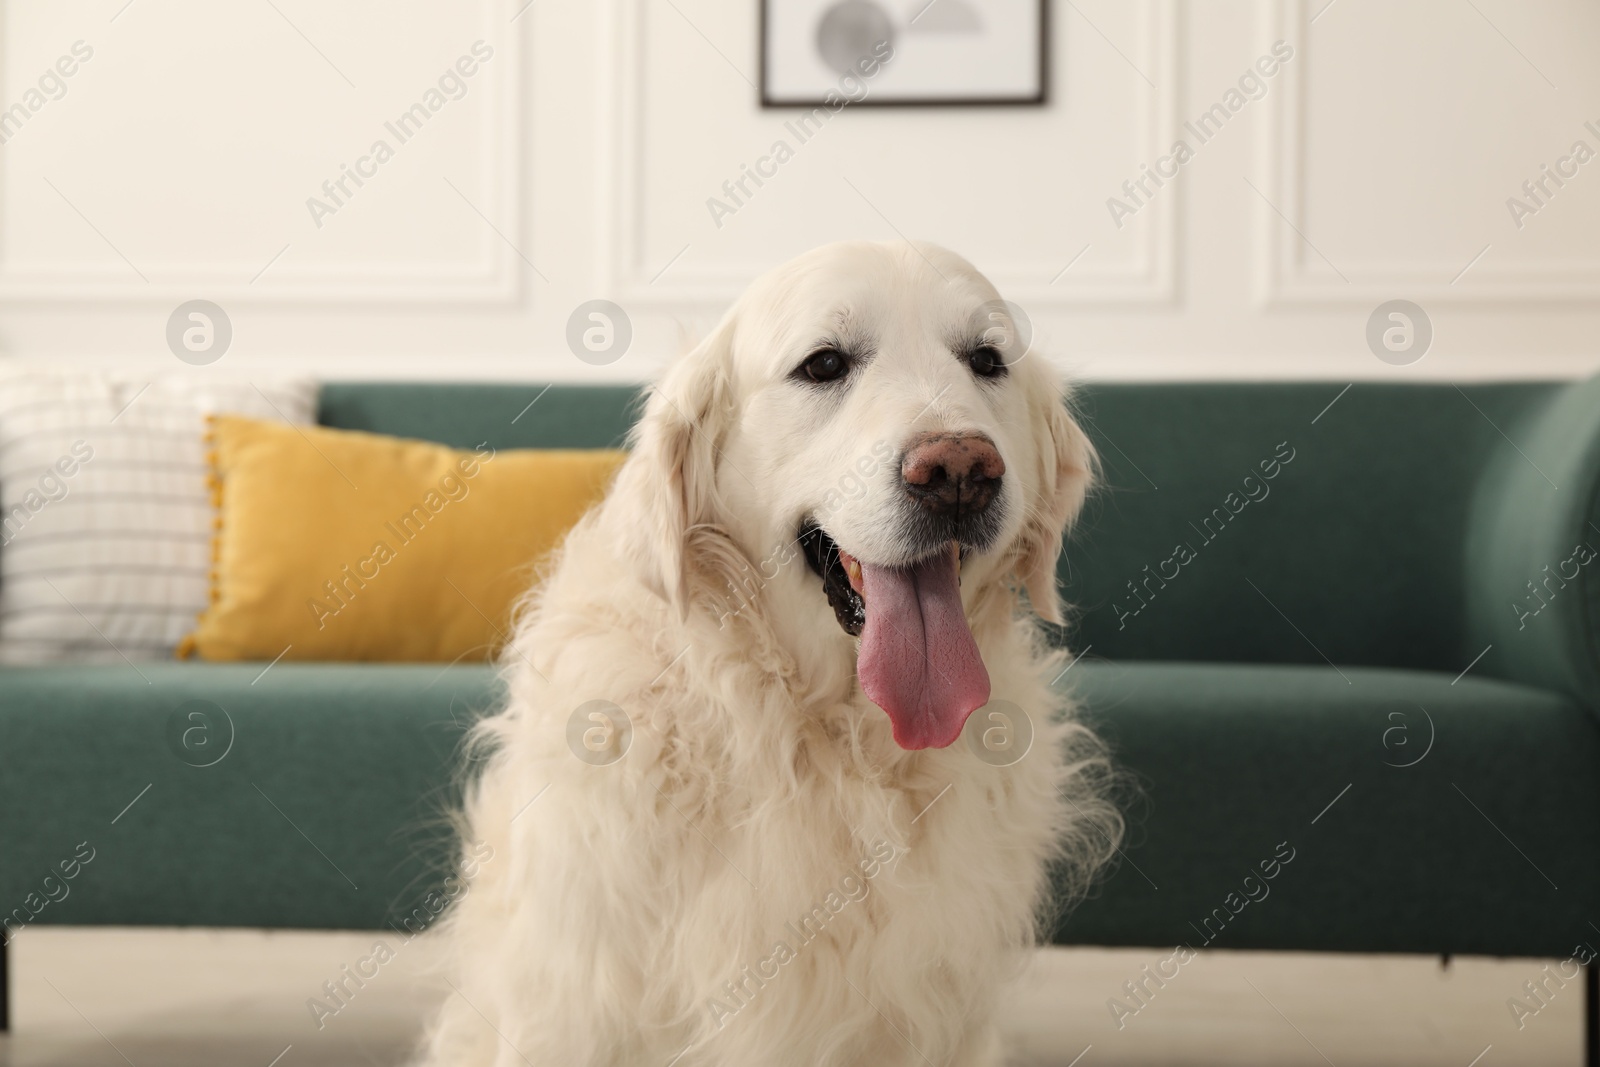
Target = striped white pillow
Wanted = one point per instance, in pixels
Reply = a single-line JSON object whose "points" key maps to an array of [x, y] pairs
{"points": [[105, 509]]}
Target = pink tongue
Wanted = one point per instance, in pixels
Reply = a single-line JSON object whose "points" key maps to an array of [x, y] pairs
{"points": [[918, 660]]}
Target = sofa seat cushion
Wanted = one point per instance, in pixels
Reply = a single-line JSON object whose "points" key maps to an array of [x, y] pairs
{"points": [[1425, 813], [326, 809]]}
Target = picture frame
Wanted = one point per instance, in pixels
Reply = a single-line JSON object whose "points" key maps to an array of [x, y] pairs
{"points": [[904, 53]]}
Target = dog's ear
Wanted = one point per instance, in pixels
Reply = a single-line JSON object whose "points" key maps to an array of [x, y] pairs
{"points": [[1068, 465], [673, 470]]}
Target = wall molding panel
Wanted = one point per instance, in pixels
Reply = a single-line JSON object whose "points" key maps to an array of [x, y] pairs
{"points": [[1291, 274], [495, 276], [623, 211]]}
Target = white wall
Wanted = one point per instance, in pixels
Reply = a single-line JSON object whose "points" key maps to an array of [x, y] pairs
{"points": [[178, 164]]}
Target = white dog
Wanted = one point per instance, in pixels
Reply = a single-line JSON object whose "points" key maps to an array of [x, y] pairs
{"points": [[732, 815]]}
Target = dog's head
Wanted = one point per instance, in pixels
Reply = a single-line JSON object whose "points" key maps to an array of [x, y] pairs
{"points": [[860, 444]]}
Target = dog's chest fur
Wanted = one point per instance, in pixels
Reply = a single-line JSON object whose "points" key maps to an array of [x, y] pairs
{"points": [[757, 892]]}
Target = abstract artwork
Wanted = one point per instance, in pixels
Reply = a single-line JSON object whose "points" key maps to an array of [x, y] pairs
{"points": [[877, 52]]}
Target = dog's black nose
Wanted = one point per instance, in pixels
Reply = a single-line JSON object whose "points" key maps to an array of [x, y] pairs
{"points": [[953, 474]]}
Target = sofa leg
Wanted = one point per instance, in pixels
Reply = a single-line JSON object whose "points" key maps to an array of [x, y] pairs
{"points": [[1591, 1015]]}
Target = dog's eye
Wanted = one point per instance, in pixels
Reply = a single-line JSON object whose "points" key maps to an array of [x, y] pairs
{"points": [[986, 362], [825, 366]]}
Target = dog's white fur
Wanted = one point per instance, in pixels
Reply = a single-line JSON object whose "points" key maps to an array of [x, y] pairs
{"points": [[621, 903]]}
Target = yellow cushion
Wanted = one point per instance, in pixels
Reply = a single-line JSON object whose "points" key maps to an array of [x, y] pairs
{"points": [[338, 545]]}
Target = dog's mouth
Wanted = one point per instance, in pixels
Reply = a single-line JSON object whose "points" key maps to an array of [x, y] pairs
{"points": [[917, 660], [840, 580]]}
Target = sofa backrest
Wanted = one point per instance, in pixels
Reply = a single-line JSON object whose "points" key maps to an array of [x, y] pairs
{"points": [[1353, 553], [466, 414], [1247, 522]]}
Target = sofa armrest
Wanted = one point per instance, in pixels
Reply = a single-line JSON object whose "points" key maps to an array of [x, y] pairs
{"points": [[1532, 558]]}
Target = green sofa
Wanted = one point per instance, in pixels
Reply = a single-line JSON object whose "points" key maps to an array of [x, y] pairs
{"points": [[1379, 655]]}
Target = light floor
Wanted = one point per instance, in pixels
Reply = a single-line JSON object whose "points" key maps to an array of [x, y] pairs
{"points": [[175, 998]]}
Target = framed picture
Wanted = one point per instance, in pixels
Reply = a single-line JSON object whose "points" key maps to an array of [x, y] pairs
{"points": [[903, 52]]}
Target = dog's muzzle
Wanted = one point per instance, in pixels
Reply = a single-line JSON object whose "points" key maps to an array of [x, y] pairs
{"points": [[954, 490], [951, 475]]}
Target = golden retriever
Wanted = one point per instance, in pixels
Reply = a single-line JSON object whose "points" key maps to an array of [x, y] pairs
{"points": [[738, 814]]}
